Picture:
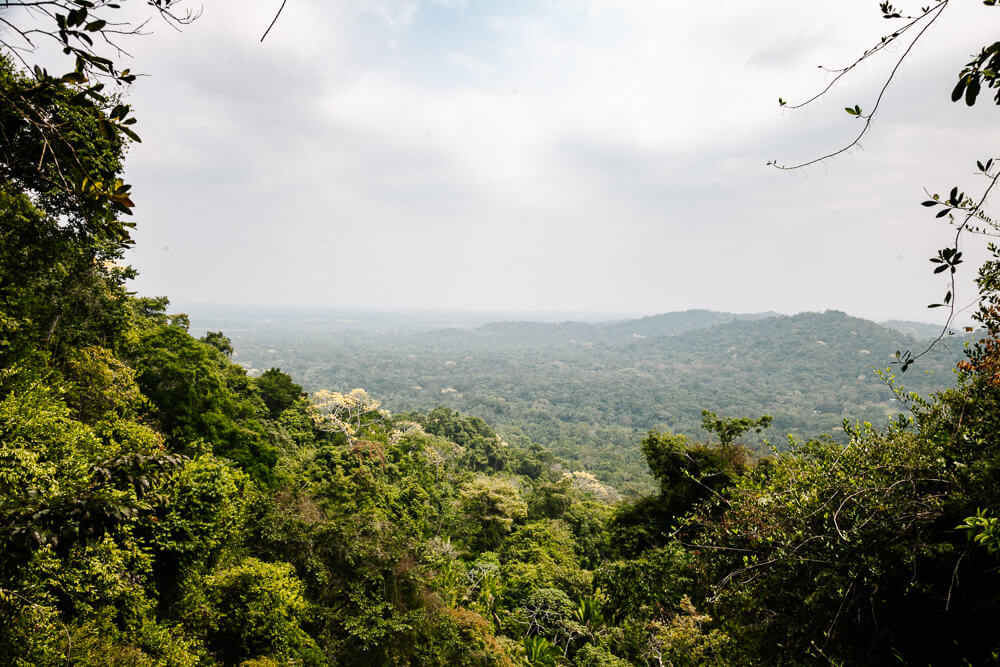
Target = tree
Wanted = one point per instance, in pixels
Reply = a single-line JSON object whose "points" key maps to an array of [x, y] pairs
{"points": [[252, 609], [348, 414], [491, 506], [200, 396], [220, 342], [42, 151], [61, 284], [730, 428], [278, 391]]}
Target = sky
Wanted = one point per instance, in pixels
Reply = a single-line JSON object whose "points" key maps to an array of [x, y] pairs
{"points": [[586, 156]]}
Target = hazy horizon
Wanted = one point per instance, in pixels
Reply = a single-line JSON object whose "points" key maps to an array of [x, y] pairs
{"points": [[217, 314]]}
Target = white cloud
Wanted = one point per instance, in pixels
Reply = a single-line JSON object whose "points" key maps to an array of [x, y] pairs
{"points": [[566, 156]]}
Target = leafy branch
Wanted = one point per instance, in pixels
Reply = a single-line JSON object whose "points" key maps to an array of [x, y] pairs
{"points": [[979, 72], [948, 259], [91, 35]]}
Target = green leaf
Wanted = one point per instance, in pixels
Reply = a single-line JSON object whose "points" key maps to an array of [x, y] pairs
{"points": [[106, 128], [130, 134]]}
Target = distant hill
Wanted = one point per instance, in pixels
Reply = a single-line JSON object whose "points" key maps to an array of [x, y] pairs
{"points": [[671, 324], [620, 332], [589, 391], [915, 329]]}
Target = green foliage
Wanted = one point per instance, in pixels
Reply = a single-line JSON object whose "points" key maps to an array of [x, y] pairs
{"points": [[219, 341], [485, 451], [588, 392], [63, 483], [200, 396], [540, 652], [101, 385], [684, 640], [250, 610], [688, 473], [491, 506], [66, 162], [850, 541], [593, 655], [202, 514], [57, 291], [982, 69], [649, 587], [728, 429], [984, 529], [459, 637], [277, 390]]}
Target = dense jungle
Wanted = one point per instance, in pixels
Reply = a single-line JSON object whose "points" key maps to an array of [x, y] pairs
{"points": [[161, 505]]}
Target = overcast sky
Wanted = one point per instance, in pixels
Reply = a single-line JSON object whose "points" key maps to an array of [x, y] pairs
{"points": [[600, 156]]}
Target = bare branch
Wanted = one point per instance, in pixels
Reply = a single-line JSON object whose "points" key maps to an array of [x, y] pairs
{"points": [[274, 20], [878, 101], [885, 41]]}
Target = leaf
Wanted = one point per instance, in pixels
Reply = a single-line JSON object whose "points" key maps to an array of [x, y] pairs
{"points": [[929, 202], [106, 128], [130, 134], [959, 90], [972, 92], [942, 213], [76, 16]]}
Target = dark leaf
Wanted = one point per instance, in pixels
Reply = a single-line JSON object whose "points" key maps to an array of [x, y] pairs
{"points": [[959, 90], [972, 92]]}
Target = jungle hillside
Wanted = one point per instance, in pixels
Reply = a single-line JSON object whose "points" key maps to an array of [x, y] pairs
{"points": [[692, 488]]}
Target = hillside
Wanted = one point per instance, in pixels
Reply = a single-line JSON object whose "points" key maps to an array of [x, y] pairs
{"points": [[589, 390]]}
